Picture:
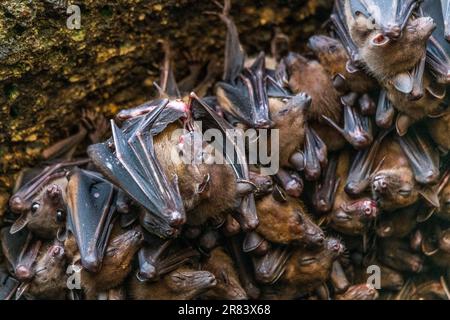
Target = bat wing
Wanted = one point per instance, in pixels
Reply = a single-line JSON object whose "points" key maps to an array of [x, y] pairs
{"points": [[131, 117], [91, 208], [133, 167], [14, 245], [445, 4], [362, 166], [388, 15], [160, 257], [422, 156], [270, 267], [8, 286], [247, 100], [20, 201], [233, 152], [438, 48], [340, 26], [274, 90]]}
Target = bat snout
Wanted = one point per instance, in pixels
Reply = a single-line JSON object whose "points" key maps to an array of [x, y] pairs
{"points": [[380, 184], [23, 273]]}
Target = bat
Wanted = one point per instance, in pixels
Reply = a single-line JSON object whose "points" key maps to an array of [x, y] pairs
{"points": [[236, 157], [41, 201], [134, 167]]}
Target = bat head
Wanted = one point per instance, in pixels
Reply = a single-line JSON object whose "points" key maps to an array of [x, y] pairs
{"points": [[51, 264], [312, 234], [386, 56], [394, 188], [190, 282], [46, 213], [361, 292], [330, 52], [354, 215]]}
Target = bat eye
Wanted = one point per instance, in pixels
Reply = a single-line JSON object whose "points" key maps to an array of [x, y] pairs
{"points": [[380, 40], [34, 207], [332, 49], [60, 215]]}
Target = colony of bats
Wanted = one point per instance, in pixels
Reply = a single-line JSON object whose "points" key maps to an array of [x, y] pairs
{"points": [[363, 126]]}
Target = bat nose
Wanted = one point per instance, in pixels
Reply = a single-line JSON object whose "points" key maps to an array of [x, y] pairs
{"points": [[56, 251], [17, 204], [380, 184], [23, 273]]}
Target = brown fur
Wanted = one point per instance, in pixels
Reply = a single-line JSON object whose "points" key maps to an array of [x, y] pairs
{"points": [[49, 281], [334, 61], [444, 210], [286, 222], [439, 130], [359, 292], [221, 194], [390, 278], [399, 224], [228, 285], [177, 285], [357, 223], [428, 290], [418, 109], [43, 222], [301, 277], [311, 77], [291, 125], [395, 57], [397, 255], [116, 264], [398, 176]]}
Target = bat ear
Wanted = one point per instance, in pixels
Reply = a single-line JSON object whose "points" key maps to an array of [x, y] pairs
{"points": [[402, 124], [379, 40], [20, 223], [430, 196]]}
